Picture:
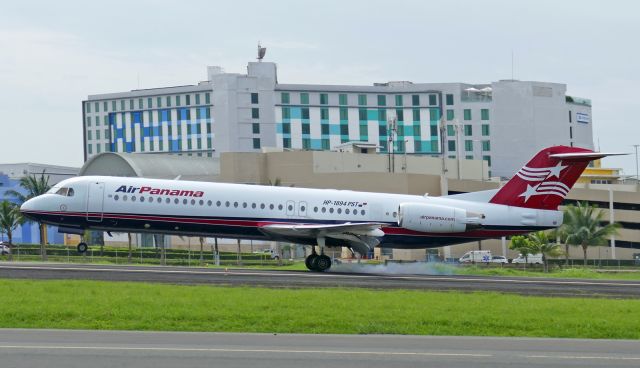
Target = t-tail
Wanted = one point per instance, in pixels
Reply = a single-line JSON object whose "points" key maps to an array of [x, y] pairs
{"points": [[547, 179]]}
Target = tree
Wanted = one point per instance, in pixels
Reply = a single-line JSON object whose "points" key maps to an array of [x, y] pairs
{"points": [[201, 239], [34, 186], [130, 255], [523, 245], [561, 235], [10, 218], [541, 243], [583, 226]]}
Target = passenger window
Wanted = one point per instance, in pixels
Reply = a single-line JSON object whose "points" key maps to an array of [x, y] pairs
{"points": [[346, 211], [141, 199], [115, 197], [395, 214], [331, 210], [362, 212], [193, 201], [227, 203], [339, 210], [280, 207], [168, 200], [315, 209], [253, 205], [235, 204], [150, 199], [70, 192], [133, 198], [262, 206], [201, 202], [218, 203], [184, 201], [209, 203], [124, 197], [302, 208], [271, 206], [244, 204], [290, 207], [324, 210]]}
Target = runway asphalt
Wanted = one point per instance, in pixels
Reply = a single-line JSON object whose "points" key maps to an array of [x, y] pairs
{"points": [[66, 348], [302, 279]]}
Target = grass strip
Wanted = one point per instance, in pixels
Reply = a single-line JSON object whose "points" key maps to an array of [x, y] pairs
{"points": [[158, 307]]}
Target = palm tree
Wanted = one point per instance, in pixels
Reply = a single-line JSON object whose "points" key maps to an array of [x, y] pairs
{"points": [[523, 245], [583, 224], [561, 235], [10, 218], [541, 243], [34, 186]]}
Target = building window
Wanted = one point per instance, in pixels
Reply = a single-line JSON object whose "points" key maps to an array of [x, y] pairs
{"points": [[159, 101], [324, 129], [417, 131], [178, 100], [326, 144], [484, 114], [434, 114], [433, 100], [286, 142], [187, 100], [149, 103], [434, 130], [168, 101], [468, 145], [467, 114], [89, 136], [104, 105], [256, 143], [89, 149], [362, 100], [344, 114], [97, 135], [382, 115], [121, 105], [416, 114], [207, 98], [98, 120], [382, 100], [449, 98], [344, 129], [362, 114], [450, 115], [306, 143], [197, 99], [255, 127], [304, 98], [284, 98], [140, 103], [488, 159], [306, 128], [305, 113], [399, 101], [254, 98], [451, 146], [400, 114], [96, 107], [485, 129], [415, 100], [342, 99], [286, 113], [451, 131], [88, 121], [324, 99], [286, 128], [324, 113], [468, 157], [382, 130], [468, 130], [364, 131], [255, 113], [486, 146], [88, 107]]}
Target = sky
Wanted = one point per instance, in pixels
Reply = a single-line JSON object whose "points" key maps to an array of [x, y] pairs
{"points": [[56, 53]]}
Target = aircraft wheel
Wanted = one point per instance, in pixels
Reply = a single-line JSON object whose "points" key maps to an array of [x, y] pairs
{"points": [[309, 261], [322, 263], [82, 247]]}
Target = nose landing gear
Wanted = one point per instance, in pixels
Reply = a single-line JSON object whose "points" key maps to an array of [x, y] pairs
{"points": [[82, 247]]}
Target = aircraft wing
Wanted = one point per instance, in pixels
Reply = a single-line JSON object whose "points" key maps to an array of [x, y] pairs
{"points": [[361, 236]]}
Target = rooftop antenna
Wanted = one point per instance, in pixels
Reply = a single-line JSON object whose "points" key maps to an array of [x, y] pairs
{"points": [[261, 52], [512, 64]]}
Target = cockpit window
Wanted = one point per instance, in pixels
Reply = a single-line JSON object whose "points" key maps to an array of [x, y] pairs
{"points": [[67, 192]]}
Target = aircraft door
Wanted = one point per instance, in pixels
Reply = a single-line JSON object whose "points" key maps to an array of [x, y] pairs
{"points": [[302, 209], [95, 201], [291, 208]]}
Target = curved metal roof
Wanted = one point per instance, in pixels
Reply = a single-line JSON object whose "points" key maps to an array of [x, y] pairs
{"points": [[161, 166]]}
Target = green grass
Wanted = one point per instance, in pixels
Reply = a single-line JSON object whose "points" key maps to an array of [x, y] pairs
{"points": [[580, 273], [141, 306]]}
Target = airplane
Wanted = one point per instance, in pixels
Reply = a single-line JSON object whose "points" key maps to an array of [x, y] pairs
{"points": [[317, 217]]}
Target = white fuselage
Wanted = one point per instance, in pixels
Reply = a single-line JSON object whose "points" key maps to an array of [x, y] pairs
{"points": [[239, 211]]}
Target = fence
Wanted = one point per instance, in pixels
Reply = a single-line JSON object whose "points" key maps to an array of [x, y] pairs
{"points": [[173, 257]]}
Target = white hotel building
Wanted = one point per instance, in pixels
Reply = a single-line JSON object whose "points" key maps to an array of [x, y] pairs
{"points": [[503, 122]]}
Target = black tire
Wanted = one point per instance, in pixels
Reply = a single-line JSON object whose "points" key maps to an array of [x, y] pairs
{"points": [[309, 261], [322, 263], [82, 248]]}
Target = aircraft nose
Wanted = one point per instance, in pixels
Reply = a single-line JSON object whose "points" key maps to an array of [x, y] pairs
{"points": [[28, 208]]}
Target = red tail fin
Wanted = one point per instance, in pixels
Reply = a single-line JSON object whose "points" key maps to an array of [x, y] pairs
{"points": [[545, 180]]}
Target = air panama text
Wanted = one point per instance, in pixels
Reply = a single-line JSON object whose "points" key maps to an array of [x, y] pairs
{"points": [[160, 191]]}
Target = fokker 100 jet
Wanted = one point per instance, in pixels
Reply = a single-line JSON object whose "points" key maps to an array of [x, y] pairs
{"points": [[323, 217]]}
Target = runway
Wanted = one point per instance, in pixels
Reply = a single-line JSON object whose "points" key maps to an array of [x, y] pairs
{"points": [[302, 279], [67, 348]]}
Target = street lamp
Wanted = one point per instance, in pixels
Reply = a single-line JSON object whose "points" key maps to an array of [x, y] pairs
{"points": [[636, 147], [481, 158], [391, 127]]}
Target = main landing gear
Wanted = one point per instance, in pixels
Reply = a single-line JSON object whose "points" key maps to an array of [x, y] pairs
{"points": [[318, 262]]}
